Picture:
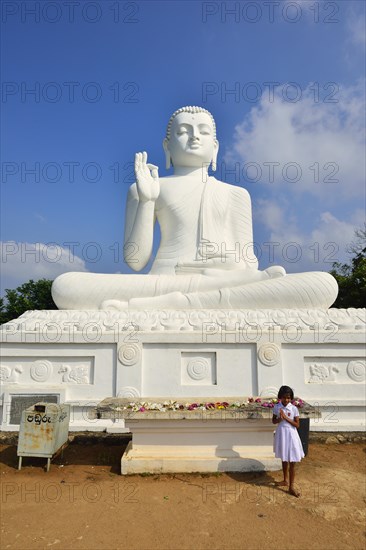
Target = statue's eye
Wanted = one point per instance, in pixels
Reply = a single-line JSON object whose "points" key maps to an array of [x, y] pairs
{"points": [[182, 131], [205, 131]]}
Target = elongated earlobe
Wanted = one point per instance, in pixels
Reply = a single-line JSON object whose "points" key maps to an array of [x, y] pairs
{"points": [[214, 157], [168, 160]]}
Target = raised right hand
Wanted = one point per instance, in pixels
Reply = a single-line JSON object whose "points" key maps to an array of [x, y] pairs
{"points": [[147, 178]]}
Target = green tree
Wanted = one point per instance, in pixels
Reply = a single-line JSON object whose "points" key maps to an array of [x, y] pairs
{"points": [[351, 277], [30, 295]]}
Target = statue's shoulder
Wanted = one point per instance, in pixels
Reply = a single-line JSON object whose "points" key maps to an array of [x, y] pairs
{"points": [[238, 192]]}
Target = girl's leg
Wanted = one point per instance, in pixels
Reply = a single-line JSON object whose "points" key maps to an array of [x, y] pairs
{"points": [[285, 470], [292, 489]]}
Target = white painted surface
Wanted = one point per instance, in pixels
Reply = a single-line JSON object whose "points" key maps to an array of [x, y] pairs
{"points": [[158, 353]]}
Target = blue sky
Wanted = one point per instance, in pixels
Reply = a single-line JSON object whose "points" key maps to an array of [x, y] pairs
{"points": [[106, 78]]}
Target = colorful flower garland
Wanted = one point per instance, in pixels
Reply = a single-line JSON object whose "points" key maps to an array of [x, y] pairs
{"points": [[143, 406]]}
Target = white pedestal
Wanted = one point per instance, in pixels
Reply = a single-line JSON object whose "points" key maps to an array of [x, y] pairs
{"points": [[168, 446], [81, 357]]}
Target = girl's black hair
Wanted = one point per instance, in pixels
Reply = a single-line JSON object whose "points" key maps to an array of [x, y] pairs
{"points": [[285, 390]]}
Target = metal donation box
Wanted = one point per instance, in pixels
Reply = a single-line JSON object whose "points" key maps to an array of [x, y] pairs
{"points": [[44, 429]]}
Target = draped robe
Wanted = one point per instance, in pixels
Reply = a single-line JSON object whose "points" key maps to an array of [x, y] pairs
{"points": [[205, 259]]}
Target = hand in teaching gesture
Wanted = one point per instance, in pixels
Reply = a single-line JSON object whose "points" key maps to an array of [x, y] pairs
{"points": [[147, 178]]}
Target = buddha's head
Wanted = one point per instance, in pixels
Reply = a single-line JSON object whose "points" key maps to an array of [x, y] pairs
{"points": [[191, 138]]}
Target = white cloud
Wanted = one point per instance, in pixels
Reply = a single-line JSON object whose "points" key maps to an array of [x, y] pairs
{"points": [[356, 28], [305, 133], [312, 250], [21, 261], [272, 214]]}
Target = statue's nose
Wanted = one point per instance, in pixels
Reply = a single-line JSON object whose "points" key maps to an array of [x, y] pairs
{"points": [[195, 134]]}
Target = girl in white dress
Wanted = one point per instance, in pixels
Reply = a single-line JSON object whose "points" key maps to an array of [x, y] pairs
{"points": [[287, 444]]}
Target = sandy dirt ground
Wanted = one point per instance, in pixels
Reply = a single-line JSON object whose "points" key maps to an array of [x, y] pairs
{"points": [[84, 503]]}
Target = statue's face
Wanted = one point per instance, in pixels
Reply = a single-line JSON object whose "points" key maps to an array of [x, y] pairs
{"points": [[192, 141]]}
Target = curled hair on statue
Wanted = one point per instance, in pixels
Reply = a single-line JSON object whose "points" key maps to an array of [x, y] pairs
{"points": [[285, 390], [193, 110]]}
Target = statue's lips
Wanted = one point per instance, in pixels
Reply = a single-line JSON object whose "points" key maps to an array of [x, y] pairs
{"points": [[194, 146]]}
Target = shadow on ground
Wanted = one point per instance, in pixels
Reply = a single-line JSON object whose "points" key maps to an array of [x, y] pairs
{"points": [[81, 451]]}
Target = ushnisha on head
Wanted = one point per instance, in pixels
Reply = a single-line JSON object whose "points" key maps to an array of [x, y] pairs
{"points": [[191, 138]]}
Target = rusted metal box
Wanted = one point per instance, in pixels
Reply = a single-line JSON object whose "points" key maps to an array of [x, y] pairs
{"points": [[44, 429]]}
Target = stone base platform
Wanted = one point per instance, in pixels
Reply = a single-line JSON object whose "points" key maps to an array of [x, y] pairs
{"points": [[80, 357], [207, 445], [135, 462]]}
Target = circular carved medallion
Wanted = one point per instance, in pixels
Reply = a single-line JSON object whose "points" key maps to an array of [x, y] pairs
{"points": [[198, 368], [40, 371], [357, 370], [129, 354], [129, 392], [269, 354], [270, 391]]}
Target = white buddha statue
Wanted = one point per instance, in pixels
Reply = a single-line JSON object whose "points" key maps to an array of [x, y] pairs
{"points": [[206, 257]]}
